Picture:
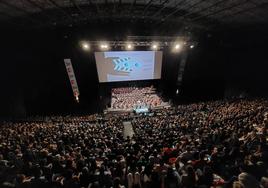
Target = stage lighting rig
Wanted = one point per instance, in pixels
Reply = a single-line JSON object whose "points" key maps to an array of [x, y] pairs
{"points": [[176, 44]]}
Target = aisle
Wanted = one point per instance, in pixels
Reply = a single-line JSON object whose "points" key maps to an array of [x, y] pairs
{"points": [[128, 129]]}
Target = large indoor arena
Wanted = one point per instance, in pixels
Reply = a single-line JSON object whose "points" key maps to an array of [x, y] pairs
{"points": [[134, 94]]}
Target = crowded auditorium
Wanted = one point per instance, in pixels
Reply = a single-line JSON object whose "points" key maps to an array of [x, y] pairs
{"points": [[134, 94]]}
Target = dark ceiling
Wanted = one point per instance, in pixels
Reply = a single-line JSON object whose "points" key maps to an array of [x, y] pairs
{"points": [[203, 14]]}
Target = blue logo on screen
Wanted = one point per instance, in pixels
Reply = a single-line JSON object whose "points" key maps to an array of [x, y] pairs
{"points": [[126, 64]]}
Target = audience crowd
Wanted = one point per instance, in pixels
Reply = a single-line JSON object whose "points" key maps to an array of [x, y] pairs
{"points": [[134, 97], [209, 144]]}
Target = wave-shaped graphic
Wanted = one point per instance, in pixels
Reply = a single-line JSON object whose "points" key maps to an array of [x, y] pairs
{"points": [[126, 64]]}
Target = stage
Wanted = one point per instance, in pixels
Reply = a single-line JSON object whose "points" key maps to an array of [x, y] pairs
{"points": [[142, 109]]}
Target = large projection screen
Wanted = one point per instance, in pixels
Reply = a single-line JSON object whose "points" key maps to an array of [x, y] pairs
{"points": [[116, 66]]}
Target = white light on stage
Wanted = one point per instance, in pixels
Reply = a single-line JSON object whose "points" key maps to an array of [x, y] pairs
{"points": [[177, 46], [104, 46], [192, 46], [155, 46], [85, 46], [130, 47]]}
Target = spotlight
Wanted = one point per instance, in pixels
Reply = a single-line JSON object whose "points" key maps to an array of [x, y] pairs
{"points": [[177, 46], [130, 47], [192, 46], [85, 46], [155, 46], [104, 46]]}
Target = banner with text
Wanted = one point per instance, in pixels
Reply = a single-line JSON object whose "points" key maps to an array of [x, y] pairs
{"points": [[70, 71]]}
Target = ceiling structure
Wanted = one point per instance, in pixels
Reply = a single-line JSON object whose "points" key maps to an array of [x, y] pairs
{"points": [[204, 14]]}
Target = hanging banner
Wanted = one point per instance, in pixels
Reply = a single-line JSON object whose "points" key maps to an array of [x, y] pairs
{"points": [[70, 71]]}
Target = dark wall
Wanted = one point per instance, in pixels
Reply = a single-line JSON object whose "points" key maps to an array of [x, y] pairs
{"points": [[203, 76], [34, 76], [227, 64], [246, 64]]}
